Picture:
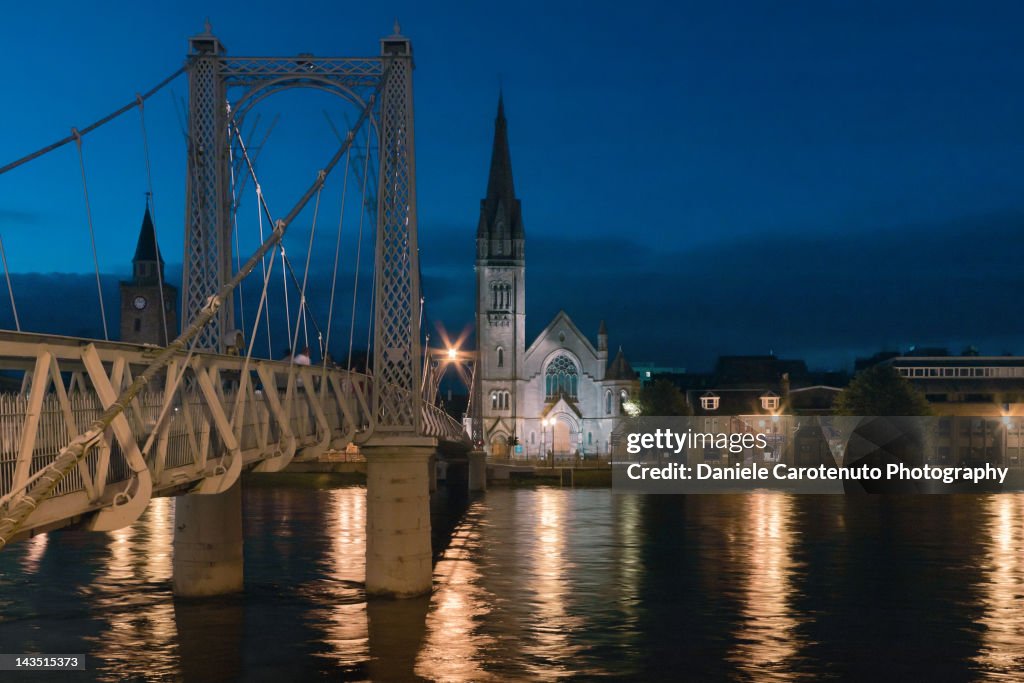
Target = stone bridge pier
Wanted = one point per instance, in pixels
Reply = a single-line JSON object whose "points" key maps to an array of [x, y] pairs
{"points": [[398, 553], [208, 544]]}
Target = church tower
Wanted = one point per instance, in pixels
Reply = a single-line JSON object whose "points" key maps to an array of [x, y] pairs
{"points": [[141, 319], [501, 288]]}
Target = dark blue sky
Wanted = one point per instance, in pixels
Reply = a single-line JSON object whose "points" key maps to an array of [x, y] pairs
{"points": [[820, 179]]}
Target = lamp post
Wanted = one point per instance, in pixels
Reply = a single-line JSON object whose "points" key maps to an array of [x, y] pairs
{"points": [[544, 437], [549, 454]]}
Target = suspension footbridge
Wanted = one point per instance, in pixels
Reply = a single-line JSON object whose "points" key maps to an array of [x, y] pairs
{"points": [[93, 429]]}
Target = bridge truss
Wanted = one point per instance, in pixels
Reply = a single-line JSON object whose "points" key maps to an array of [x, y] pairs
{"points": [[97, 428], [380, 86]]}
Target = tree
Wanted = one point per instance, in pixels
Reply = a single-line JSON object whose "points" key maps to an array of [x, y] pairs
{"points": [[663, 398], [881, 391]]}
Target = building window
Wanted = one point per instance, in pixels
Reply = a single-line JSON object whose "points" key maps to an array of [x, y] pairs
{"points": [[770, 401], [561, 378], [533, 437], [501, 296], [590, 438], [709, 401], [501, 357], [138, 324], [500, 400], [608, 402]]}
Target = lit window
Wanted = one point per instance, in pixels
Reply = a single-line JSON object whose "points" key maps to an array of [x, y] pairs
{"points": [[770, 401], [561, 378], [709, 401]]}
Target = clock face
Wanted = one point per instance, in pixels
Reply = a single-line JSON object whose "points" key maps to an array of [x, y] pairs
{"points": [[139, 302]]}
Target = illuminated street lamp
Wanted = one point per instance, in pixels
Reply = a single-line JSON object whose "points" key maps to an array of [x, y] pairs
{"points": [[545, 422]]}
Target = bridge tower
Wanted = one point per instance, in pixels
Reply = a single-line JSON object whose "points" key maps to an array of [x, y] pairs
{"points": [[398, 553], [208, 540], [207, 528]]}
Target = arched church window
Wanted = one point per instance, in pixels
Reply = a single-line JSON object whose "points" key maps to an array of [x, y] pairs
{"points": [[494, 400], [501, 357], [608, 402], [561, 378]]}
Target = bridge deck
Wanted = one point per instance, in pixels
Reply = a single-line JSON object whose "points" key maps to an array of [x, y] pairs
{"points": [[194, 429]]}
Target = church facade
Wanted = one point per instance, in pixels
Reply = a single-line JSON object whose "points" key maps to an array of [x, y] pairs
{"points": [[558, 396]]}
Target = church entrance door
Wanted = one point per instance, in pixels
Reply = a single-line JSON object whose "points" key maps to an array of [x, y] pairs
{"points": [[562, 438], [499, 447]]}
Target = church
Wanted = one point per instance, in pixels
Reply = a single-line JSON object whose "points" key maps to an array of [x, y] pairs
{"points": [[559, 396]]}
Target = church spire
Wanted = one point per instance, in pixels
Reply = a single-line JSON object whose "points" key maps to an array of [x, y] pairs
{"points": [[500, 186], [147, 254], [500, 216]]}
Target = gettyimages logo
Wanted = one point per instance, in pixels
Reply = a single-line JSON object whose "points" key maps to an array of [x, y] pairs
{"points": [[814, 455]]}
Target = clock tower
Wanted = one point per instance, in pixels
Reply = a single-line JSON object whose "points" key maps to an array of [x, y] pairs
{"points": [[148, 316]]}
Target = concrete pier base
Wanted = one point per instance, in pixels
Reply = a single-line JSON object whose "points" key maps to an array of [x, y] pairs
{"points": [[398, 554], [432, 472], [208, 544], [477, 471]]}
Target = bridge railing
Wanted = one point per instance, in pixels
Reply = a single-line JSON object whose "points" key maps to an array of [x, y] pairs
{"points": [[195, 426], [440, 424]]}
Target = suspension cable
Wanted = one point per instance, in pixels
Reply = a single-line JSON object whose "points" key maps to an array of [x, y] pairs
{"points": [[263, 261], [287, 310], [305, 277], [298, 287], [337, 255], [151, 202], [238, 189], [234, 230], [359, 249], [92, 233], [10, 290], [73, 452], [372, 211], [76, 135], [261, 210]]}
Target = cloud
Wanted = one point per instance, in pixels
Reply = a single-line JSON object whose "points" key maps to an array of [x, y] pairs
{"points": [[826, 299], [15, 216]]}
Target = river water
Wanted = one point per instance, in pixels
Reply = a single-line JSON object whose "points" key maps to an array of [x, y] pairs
{"points": [[549, 583]]}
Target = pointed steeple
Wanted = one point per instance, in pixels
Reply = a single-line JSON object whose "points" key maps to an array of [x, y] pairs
{"points": [[147, 254], [500, 213], [500, 186]]}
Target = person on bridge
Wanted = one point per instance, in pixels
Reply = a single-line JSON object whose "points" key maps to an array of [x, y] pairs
{"points": [[302, 357]]}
